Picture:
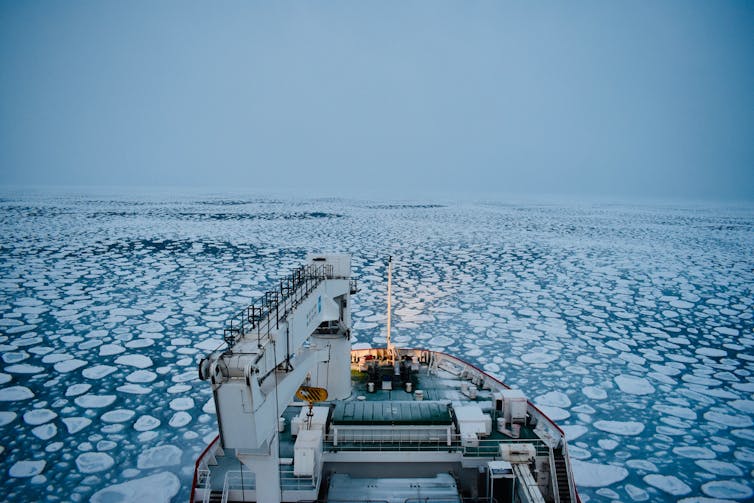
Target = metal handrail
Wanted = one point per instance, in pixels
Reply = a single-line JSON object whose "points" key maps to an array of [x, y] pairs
{"points": [[387, 442], [274, 306]]}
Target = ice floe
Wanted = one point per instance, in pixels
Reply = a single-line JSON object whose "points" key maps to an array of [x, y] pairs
{"points": [[94, 462], [15, 393], [138, 361], [94, 401], [163, 455], [620, 427], [26, 468], [157, 488], [634, 385], [39, 416], [668, 483], [727, 489], [597, 475]]}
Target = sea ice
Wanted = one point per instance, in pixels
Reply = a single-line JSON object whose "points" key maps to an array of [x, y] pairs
{"points": [[553, 399], [134, 389], [138, 361], [94, 401], [720, 467], [98, 371], [538, 357], [157, 488], [7, 417], [39, 416], [69, 365], [76, 424], [634, 385], [673, 410], [694, 452], [146, 422], [111, 349], [727, 489], [15, 393], [573, 431], [668, 483], [620, 427], [183, 403], [163, 455], [117, 416], [595, 393], [77, 389], [596, 475], [180, 419], [24, 368], [141, 376], [24, 469], [93, 462], [732, 420], [45, 431]]}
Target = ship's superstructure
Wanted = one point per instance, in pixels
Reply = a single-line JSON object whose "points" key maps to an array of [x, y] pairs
{"points": [[390, 424]]}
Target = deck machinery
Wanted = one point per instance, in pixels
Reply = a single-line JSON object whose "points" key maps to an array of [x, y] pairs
{"points": [[398, 425]]}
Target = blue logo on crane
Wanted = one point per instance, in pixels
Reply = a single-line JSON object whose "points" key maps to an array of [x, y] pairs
{"points": [[319, 304]]}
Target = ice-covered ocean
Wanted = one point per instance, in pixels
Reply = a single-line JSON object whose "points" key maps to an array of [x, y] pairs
{"points": [[631, 325]]}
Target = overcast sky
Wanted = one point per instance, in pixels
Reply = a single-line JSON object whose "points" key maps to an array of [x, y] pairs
{"points": [[594, 98]]}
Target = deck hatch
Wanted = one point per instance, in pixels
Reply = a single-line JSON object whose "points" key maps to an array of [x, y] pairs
{"points": [[392, 413]]}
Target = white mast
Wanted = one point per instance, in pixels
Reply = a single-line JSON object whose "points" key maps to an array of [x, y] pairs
{"points": [[390, 349]]}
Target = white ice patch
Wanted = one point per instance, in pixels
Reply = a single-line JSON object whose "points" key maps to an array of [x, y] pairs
{"points": [[24, 368], [141, 376], [694, 452], [77, 389], [180, 419], [553, 399], [634, 385], [673, 410], [163, 455], [720, 467], [69, 365], [39, 416], [45, 431], [24, 469], [620, 427], [138, 361], [554, 413], [157, 488], [441, 341], [134, 389], [668, 483], [94, 401], [595, 393], [183, 403], [98, 371], [7, 417], [538, 357], [596, 475], [111, 349], [118, 416], [15, 393], [93, 462], [727, 489], [734, 421], [146, 423], [76, 424]]}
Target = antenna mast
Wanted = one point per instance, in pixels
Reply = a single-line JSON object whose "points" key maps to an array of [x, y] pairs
{"points": [[390, 349]]}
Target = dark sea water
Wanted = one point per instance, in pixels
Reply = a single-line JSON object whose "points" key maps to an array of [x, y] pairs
{"points": [[630, 325]]}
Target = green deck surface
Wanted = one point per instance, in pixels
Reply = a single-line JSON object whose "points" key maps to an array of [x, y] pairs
{"points": [[391, 413]]}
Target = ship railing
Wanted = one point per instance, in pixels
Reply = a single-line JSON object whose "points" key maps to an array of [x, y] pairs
{"points": [[289, 481], [484, 447], [238, 480], [269, 310], [203, 483]]}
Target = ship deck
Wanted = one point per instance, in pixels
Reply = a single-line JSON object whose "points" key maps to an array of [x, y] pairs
{"points": [[438, 386]]}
